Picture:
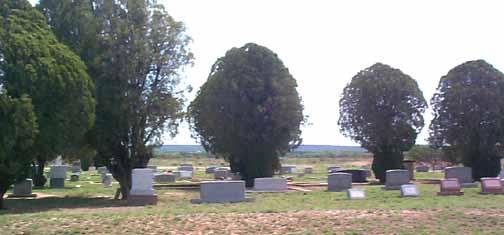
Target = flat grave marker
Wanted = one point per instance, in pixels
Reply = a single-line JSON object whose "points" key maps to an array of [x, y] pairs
{"points": [[409, 190], [355, 193]]}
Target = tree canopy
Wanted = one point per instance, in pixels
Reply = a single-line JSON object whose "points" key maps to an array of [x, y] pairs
{"points": [[136, 56], [36, 64], [381, 109], [469, 116], [248, 111], [18, 129]]}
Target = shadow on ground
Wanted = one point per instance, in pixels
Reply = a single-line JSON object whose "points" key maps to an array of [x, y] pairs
{"points": [[31, 205]]}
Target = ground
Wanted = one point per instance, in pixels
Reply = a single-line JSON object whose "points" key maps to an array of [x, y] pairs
{"points": [[85, 207]]}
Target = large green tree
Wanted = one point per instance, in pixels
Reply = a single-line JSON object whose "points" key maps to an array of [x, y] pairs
{"points": [[138, 52], [18, 129], [381, 109], [36, 64], [469, 116], [248, 111]]}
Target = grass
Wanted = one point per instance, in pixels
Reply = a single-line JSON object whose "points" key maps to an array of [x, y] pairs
{"points": [[89, 209]]}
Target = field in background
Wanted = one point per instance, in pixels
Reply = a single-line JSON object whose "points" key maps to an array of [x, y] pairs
{"points": [[85, 207]]}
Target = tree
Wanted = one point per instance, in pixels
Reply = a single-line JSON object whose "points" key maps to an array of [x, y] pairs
{"points": [[248, 111], [139, 52], [468, 116], [36, 64], [381, 109], [18, 129]]}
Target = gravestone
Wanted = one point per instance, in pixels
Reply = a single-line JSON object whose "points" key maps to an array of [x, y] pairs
{"points": [[395, 178], [76, 167], [463, 174], [409, 190], [153, 168], [501, 175], [210, 169], [102, 170], [221, 173], [57, 175], [164, 178], [358, 176], [107, 180], [23, 189], [270, 184], [92, 168], [74, 176], [355, 193], [222, 192], [308, 170], [337, 182], [185, 175], [185, 167], [142, 192], [491, 186], [422, 169], [449, 187], [333, 169], [288, 170], [438, 167]]}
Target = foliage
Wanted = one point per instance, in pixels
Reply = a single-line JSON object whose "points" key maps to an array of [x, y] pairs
{"points": [[137, 54], [382, 110], [248, 111], [426, 154], [35, 63], [18, 129], [468, 116]]}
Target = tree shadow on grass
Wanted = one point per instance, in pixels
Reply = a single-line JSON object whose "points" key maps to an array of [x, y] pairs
{"points": [[31, 205]]}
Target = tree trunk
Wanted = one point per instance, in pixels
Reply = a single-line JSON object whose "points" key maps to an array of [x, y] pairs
{"points": [[39, 179], [2, 193]]}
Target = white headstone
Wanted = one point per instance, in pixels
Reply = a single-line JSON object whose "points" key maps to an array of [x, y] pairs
{"points": [[58, 172], [409, 190], [107, 180], [355, 193], [185, 174], [141, 181]]}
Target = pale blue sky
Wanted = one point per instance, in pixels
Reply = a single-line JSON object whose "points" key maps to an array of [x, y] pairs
{"points": [[325, 43]]}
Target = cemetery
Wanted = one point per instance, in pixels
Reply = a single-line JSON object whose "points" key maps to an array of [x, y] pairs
{"points": [[419, 205]]}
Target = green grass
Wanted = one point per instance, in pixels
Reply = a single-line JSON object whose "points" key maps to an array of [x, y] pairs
{"points": [[85, 210]]}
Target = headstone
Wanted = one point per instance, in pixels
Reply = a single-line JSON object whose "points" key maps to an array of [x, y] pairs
{"points": [[409, 190], [57, 176], [422, 169], [23, 189], [288, 170], [438, 167], [102, 170], [308, 170], [450, 186], [333, 169], [337, 182], [186, 175], [74, 176], [491, 186], [463, 174], [142, 192], [92, 168], [221, 192], [395, 178], [107, 180], [76, 168], [355, 193], [185, 167], [164, 178], [270, 184], [210, 169], [358, 176], [501, 175], [221, 173], [153, 168]]}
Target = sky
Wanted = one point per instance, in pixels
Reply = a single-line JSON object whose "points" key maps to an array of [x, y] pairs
{"points": [[325, 43]]}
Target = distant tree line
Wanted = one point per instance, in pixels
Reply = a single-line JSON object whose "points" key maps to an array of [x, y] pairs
{"points": [[102, 79]]}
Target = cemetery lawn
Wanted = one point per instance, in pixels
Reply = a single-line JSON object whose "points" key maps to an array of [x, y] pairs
{"points": [[90, 209]]}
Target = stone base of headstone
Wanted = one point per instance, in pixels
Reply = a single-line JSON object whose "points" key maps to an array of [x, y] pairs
{"points": [[57, 183], [22, 196], [74, 178], [142, 200]]}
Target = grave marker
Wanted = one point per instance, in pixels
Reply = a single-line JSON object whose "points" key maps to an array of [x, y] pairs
{"points": [[222, 192], [270, 184], [422, 169], [107, 180], [355, 193], [308, 170], [395, 178], [164, 178], [142, 192], [409, 190], [57, 176], [23, 189], [463, 174], [337, 182], [450, 186], [491, 186]]}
